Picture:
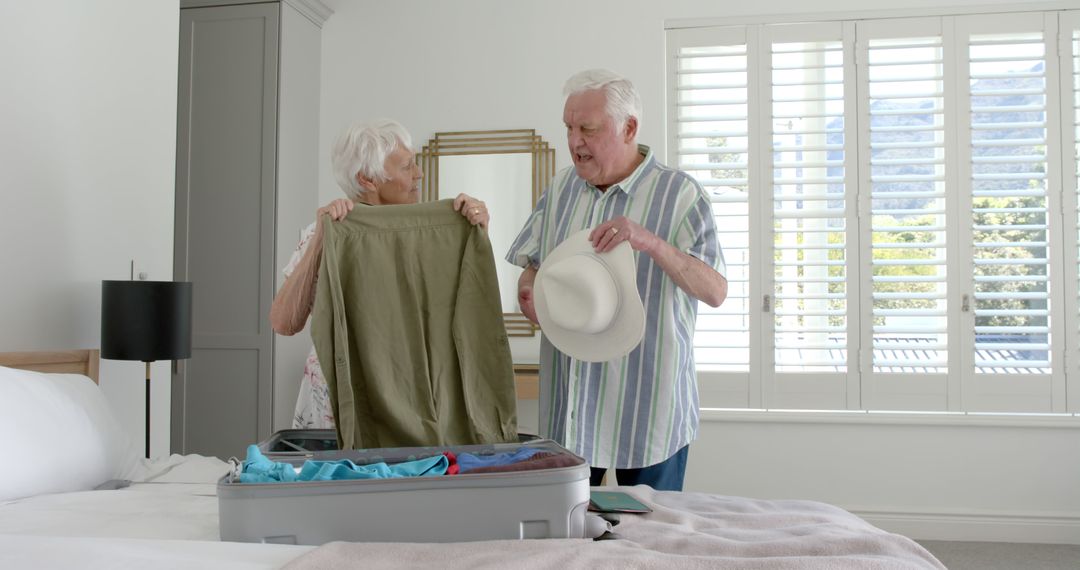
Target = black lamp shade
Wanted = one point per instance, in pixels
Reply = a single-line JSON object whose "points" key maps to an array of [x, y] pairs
{"points": [[145, 320]]}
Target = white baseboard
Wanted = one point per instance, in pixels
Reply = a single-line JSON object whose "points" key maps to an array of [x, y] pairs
{"points": [[979, 527]]}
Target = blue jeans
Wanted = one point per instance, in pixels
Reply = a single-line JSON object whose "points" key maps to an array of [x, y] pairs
{"points": [[664, 476]]}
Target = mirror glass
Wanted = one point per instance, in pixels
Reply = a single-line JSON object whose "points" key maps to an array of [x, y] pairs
{"points": [[498, 180], [507, 170]]}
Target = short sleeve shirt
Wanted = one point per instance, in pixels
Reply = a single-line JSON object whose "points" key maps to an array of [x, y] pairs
{"points": [[640, 409]]}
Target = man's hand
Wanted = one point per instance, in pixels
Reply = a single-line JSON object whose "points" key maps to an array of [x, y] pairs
{"points": [[691, 275], [525, 294], [613, 232]]}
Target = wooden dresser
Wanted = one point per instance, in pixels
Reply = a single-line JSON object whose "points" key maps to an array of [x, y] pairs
{"points": [[527, 379]]}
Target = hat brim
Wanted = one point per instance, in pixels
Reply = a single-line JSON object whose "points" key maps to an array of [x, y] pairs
{"points": [[628, 327]]}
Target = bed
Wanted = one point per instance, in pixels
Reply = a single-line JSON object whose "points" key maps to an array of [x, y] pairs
{"points": [[167, 517]]}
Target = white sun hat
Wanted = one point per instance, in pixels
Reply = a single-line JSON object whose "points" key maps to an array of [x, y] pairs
{"points": [[588, 303]]}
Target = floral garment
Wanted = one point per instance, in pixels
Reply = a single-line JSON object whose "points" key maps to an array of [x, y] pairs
{"points": [[313, 403]]}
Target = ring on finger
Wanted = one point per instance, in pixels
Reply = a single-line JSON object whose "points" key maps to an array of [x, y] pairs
{"points": [[614, 230]]}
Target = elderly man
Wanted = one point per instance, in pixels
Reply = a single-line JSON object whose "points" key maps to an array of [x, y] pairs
{"points": [[639, 413]]}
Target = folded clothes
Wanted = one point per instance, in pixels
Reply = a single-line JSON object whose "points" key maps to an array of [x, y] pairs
{"points": [[469, 461], [258, 468], [544, 460]]}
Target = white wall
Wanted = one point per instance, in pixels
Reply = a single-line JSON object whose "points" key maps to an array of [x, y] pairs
{"points": [[87, 155], [492, 64], [946, 477], [297, 197]]}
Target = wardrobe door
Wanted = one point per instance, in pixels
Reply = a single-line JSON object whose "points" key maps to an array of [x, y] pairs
{"points": [[225, 196]]}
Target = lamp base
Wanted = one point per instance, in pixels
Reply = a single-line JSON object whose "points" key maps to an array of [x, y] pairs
{"points": [[147, 410]]}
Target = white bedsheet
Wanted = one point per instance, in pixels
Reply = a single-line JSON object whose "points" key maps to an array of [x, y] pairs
{"points": [[169, 520], [185, 511], [140, 554], [685, 531], [166, 519], [173, 498]]}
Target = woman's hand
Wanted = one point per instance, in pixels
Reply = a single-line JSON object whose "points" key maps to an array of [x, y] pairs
{"points": [[474, 210], [337, 209]]}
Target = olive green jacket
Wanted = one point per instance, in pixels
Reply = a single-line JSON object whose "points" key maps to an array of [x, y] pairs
{"points": [[408, 328]]}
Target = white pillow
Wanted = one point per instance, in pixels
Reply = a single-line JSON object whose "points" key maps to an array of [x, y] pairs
{"points": [[59, 435]]}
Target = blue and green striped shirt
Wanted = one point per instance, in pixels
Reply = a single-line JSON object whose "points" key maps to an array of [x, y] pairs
{"points": [[637, 410]]}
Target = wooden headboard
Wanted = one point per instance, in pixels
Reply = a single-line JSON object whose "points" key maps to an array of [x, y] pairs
{"points": [[83, 362]]}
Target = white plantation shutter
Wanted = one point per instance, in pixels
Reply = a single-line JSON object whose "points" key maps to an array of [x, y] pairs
{"points": [[1010, 225], [905, 211], [809, 206], [805, 85], [1006, 157], [906, 119], [711, 143]]}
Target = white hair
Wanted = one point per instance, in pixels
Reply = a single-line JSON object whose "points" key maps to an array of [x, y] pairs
{"points": [[623, 101], [362, 149]]}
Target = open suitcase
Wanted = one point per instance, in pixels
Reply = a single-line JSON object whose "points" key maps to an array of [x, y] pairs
{"points": [[542, 503]]}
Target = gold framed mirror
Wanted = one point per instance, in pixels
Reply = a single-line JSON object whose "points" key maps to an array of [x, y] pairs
{"points": [[507, 169]]}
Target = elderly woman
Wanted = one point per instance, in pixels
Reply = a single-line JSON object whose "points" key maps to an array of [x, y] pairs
{"points": [[374, 166]]}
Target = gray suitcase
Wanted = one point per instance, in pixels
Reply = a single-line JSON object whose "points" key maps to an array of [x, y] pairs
{"points": [[544, 503]]}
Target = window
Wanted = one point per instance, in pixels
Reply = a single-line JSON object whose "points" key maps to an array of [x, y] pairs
{"points": [[898, 207]]}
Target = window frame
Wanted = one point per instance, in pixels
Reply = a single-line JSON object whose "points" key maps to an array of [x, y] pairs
{"points": [[1068, 50]]}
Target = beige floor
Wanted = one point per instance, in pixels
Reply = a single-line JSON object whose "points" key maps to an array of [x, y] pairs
{"points": [[1004, 555]]}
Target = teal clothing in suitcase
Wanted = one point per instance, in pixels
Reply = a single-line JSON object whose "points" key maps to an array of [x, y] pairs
{"points": [[408, 327]]}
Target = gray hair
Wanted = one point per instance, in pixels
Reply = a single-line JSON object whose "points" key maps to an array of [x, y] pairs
{"points": [[623, 101], [362, 149]]}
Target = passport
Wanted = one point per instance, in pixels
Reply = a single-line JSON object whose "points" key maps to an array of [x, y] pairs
{"points": [[616, 502]]}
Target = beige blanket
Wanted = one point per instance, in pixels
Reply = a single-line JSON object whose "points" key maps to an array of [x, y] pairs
{"points": [[685, 530]]}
